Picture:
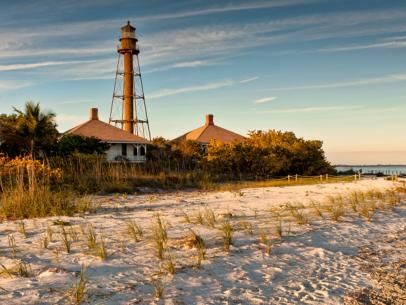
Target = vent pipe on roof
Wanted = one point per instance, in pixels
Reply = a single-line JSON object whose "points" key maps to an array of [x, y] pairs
{"points": [[209, 119], [94, 114]]}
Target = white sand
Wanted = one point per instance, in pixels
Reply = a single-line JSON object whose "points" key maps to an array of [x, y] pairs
{"points": [[317, 264]]}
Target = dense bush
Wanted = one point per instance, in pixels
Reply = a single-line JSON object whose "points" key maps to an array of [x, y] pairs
{"points": [[261, 155], [71, 144]]}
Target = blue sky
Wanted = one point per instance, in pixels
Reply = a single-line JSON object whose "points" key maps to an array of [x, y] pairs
{"points": [[333, 70]]}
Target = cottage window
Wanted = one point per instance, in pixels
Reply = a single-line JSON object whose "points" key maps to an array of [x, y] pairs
{"points": [[135, 153], [142, 151], [124, 149]]}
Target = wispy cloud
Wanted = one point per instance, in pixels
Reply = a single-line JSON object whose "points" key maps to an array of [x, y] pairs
{"points": [[265, 100], [392, 78], [183, 64], [254, 5], [13, 85], [313, 109], [191, 43], [248, 80], [176, 91], [383, 45], [45, 51], [191, 64], [13, 67]]}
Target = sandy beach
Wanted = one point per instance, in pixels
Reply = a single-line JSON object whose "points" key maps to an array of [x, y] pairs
{"points": [[316, 260]]}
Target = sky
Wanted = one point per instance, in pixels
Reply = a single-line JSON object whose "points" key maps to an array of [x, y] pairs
{"points": [[333, 70]]}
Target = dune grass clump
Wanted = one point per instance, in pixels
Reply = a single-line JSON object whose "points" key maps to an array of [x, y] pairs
{"points": [[77, 293], [365, 212], [279, 228], [91, 238], [186, 217], [159, 236], [12, 244], [96, 243], [21, 269], [199, 219], [159, 287], [356, 198], [50, 233], [392, 198], [21, 228], [317, 208], [74, 234], [336, 211], [226, 231], [209, 217], [197, 242], [246, 226], [66, 240], [44, 241], [134, 230], [101, 250], [265, 241], [298, 214], [169, 265]]}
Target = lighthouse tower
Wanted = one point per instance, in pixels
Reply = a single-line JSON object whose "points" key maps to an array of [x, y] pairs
{"points": [[128, 109]]}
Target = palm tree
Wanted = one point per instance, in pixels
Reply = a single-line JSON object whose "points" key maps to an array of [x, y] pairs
{"points": [[37, 128]]}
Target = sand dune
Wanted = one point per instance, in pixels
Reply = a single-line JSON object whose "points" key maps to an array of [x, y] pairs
{"points": [[316, 263]]}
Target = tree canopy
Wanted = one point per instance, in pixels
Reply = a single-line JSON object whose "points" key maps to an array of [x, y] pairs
{"points": [[28, 131]]}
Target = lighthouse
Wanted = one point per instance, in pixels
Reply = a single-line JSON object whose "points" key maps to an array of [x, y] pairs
{"points": [[128, 108]]}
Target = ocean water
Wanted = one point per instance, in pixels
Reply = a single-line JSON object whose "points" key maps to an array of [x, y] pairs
{"points": [[375, 169]]}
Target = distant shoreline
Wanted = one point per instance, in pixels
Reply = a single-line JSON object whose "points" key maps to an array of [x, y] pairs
{"points": [[374, 165]]}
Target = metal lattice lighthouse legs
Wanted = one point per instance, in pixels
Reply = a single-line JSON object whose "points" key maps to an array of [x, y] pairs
{"points": [[128, 108]]}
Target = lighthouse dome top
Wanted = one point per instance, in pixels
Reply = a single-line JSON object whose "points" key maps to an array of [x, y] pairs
{"points": [[128, 27], [128, 31]]}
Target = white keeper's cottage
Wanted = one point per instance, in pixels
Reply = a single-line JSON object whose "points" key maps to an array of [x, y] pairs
{"points": [[124, 146]]}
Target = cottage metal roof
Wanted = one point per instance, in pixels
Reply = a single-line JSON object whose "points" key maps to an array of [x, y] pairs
{"points": [[105, 132], [210, 131]]}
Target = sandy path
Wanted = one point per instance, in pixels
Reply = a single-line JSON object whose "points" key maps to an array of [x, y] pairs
{"points": [[316, 264]]}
